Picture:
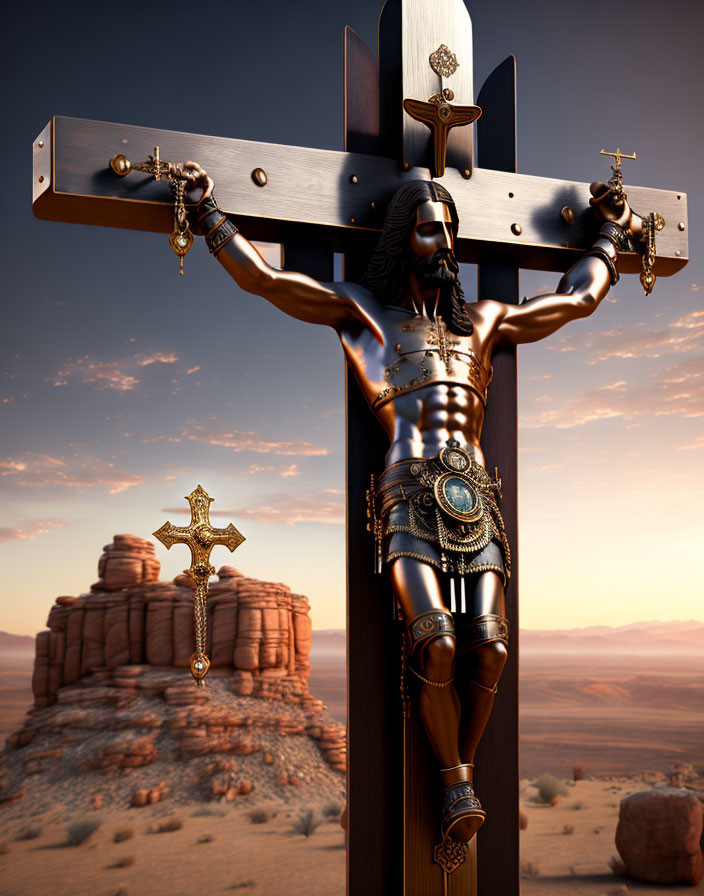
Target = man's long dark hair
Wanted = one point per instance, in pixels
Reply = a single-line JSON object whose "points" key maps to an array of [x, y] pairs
{"points": [[387, 269]]}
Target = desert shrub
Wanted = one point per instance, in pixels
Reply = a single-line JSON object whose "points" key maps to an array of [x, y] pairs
{"points": [[529, 868], [332, 810], [259, 816], [243, 884], [549, 788], [617, 867], [306, 823], [577, 806], [166, 826], [122, 834], [79, 831], [568, 829], [577, 773], [30, 833], [208, 812], [522, 820], [124, 862], [206, 838]]}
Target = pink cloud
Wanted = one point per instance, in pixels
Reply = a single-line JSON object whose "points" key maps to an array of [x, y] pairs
{"points": [[671, 391], [156, 357], [239, 440], [27, 529], [31, 469], [284, 472], [683, 335], [694, 445], [326, 506], [544, 468], [117, 375]]}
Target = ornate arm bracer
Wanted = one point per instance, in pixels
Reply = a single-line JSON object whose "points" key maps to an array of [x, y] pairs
{"points": [[612, 240], [209, 220]]}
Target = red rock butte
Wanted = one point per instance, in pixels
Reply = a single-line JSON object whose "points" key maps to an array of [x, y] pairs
{"points": [[113, 692], [259, 633]]}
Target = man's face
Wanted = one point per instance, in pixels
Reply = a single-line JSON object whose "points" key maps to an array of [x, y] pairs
{"points": [[432, 244]]}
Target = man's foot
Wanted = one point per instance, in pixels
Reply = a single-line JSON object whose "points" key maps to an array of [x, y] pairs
{"points": [[462, 813]]}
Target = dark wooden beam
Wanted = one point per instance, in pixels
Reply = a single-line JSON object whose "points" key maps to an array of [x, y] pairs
{"points": [[331, 192], [497, 757], [374, 747]]}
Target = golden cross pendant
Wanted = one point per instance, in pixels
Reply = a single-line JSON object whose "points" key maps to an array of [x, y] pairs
{"points": [[201, 538], [616, 180], [181, 239]]}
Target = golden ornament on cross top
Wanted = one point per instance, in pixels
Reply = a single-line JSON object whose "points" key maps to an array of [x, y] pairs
{"points": [[201, 538]]}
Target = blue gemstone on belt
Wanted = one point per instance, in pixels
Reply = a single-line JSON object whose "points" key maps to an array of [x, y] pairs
{"points": [[459, 495]]}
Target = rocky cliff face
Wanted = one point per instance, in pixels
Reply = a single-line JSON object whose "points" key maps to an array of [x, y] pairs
{"points": [[113, 691], [258, 632]]}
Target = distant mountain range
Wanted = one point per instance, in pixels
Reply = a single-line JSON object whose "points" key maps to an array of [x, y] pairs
{"points": [[638, 638], [15, 643]]}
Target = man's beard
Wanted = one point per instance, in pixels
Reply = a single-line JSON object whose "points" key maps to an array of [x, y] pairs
{"points": [[439, 271]]}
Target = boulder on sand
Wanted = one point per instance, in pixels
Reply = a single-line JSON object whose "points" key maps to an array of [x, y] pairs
{"points": [[659, 835]]}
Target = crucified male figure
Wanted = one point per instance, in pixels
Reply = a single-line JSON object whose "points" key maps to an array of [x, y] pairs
{"points": [[422, 357]]}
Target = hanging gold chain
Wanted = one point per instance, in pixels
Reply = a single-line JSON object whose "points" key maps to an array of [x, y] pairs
{"points": [[651, 223]]}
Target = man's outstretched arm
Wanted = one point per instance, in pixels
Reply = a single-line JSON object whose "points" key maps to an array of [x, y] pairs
{"points": [[582, 288], [295, 294]]}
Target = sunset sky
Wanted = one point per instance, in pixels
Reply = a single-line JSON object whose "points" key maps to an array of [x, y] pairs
{"points": [[124, 385]]}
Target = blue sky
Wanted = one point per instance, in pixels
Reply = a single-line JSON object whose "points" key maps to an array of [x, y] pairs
{"points": [[124, 385]]}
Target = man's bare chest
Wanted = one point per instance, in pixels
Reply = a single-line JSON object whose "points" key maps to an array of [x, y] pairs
{"points": [[419, 352]]}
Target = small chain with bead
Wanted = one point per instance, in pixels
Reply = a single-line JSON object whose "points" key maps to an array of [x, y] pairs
{"points": [[651, 223]]}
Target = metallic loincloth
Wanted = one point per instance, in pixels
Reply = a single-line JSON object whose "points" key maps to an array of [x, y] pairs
{"points": [[442, 511]]}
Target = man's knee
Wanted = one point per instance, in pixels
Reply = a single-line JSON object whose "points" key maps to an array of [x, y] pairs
{"points": [[437, 657], [490, 660]]}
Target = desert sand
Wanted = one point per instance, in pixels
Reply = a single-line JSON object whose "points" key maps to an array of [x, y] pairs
{"points": [[218, 848], [615, 717]]}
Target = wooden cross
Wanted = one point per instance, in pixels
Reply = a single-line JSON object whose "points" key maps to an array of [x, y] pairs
{"points": [[201, 538], [316, 202]]}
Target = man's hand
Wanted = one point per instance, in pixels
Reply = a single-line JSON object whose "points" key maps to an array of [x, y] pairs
{"points": [[608, 206], [198, 183]]}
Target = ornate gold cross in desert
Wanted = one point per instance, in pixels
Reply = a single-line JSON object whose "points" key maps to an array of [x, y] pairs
{"points": [[201, 538]]}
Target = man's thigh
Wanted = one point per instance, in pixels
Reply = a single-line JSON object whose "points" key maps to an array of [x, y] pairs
{"points": [[416, 587]]}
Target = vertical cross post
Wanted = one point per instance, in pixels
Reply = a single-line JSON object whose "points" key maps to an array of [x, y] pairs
{"points": [[497, 756], [393, 788]]}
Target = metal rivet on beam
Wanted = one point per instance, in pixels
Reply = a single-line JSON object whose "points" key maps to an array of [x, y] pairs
{"points": [[466, 173], [372, 204], [41, 144], [120, 164], [681, 225], [353, 178], [351, 220], [567, 214], [517, 229], [41, 178], [510, 195], [677, 252], [259, 177]]}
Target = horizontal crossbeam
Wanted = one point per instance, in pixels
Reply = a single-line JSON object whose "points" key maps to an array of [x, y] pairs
{"points": [[338, 197]]}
